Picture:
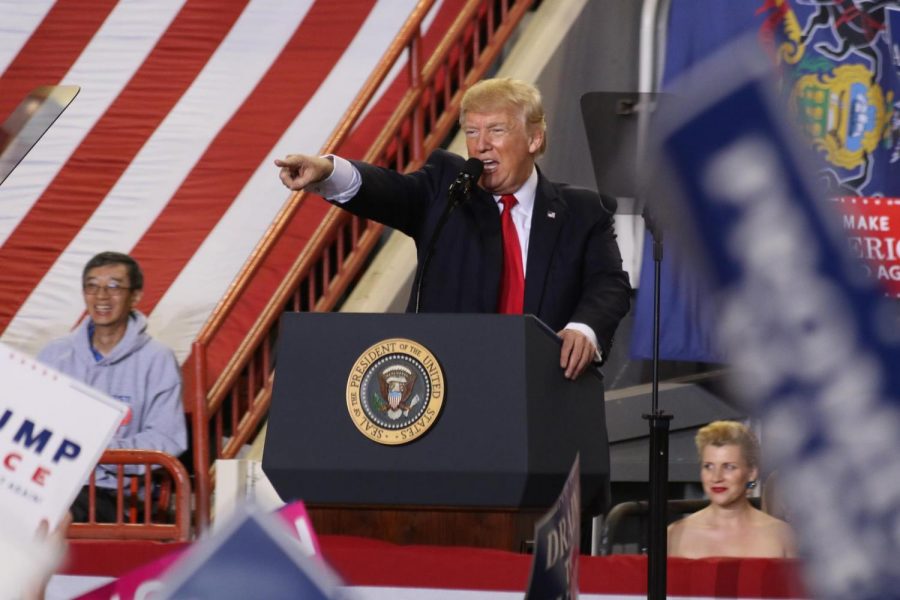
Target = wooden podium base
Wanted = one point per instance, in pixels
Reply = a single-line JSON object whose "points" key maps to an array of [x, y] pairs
{"points": [[506, 529]]}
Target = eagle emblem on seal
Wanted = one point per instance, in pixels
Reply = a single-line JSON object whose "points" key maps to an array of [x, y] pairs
{"points": [[396, 384]]}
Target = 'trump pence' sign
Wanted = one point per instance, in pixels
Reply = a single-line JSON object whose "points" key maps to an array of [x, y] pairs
{"points": [[53, 430]]}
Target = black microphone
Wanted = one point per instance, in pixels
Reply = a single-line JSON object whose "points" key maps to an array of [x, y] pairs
{"points": [[461, 188]]}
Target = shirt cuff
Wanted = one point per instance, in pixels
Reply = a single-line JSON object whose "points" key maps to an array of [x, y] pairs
{"points": [[591, 336], [343, 183]]}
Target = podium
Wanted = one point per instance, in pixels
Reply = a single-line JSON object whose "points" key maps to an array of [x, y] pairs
{"points": [[496, 452]]}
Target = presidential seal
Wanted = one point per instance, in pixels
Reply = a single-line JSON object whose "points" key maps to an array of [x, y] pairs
{"points": [[395, 391]]}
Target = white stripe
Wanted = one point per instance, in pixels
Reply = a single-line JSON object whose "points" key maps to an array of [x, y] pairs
{"points": [[167, 158], [400, 64], [106, 65], [18, 21], [372, 592], [186, 305]]}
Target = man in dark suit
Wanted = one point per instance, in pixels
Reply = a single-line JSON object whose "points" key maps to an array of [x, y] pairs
{"points": [[551, 253]]}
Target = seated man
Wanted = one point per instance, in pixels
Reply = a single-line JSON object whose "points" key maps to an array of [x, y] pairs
{"points": [[111, 351]]}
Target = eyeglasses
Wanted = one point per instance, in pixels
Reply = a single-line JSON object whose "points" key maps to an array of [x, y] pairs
{"points": [[112, 288]]}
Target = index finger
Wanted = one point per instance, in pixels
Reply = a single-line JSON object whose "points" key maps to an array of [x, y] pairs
{"points": [[291, 160]]}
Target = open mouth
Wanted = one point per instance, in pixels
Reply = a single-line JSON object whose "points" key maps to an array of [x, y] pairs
{"points": [[102, 309], [490, 166]]}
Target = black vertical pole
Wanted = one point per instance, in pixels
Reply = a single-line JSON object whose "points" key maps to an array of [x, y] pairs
{"points": [[659, 446], [659, 483]]}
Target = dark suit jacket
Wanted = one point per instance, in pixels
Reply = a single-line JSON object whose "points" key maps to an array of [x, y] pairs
{"points": [[574, 269]]}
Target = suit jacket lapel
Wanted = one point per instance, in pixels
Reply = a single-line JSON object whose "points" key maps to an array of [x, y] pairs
{"points": [[546, 222]]}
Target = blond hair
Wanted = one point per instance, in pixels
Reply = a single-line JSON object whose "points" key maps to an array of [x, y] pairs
{"points": [[722, 433], [503, 93]]}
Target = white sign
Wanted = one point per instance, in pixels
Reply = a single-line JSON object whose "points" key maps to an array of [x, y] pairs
{"points": [[53, 430]]}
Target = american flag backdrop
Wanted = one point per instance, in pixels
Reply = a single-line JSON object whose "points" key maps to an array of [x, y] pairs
{"points": [[167, 152]]}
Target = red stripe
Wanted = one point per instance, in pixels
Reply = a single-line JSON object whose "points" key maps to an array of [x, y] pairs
{"points": [[106, 152], [245, 141], [52, 49]]}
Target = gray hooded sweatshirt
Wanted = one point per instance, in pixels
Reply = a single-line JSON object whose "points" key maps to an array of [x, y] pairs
{"points": [[140, 372]]}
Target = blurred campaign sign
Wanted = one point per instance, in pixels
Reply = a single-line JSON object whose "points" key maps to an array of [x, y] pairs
{"points": [[300, 525], [814, 341], [146, 580], [139, 583], [557, 542], [53, 430], [893, 25], [839, 79], [251, 556]]}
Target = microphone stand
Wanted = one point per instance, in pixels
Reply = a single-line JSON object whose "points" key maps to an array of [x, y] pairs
{"points": [[455, 196], [618, 121], [659, 442], [459, 190]]}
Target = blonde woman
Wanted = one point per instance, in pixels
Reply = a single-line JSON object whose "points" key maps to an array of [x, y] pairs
{"points": [[730, 526]]}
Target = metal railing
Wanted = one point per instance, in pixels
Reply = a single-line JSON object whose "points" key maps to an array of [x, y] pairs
{"points": [[233, 403], [612, 523], [164, 512]]}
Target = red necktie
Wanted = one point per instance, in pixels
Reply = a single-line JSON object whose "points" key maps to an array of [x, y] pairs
{"points": [[512, 280]]}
